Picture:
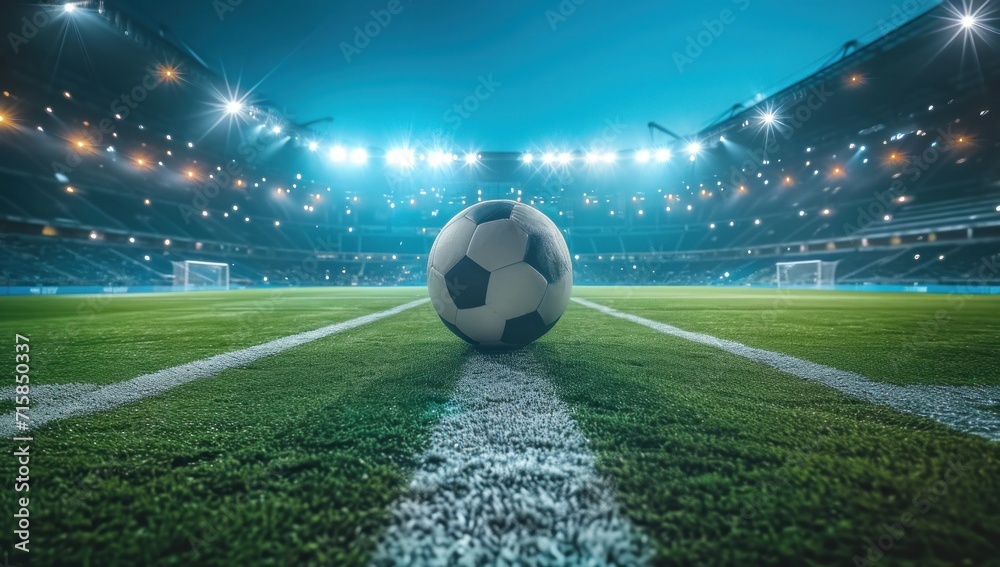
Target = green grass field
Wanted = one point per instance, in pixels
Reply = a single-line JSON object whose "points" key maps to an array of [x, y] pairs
{"points": [[296, 458]]}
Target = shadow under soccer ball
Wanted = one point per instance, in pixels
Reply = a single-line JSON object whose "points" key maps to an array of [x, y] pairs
{"points": [[499, 275]]}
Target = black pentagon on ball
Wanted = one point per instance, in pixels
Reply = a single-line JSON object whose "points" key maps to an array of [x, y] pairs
{"points": [[543, 255], [467, 282], [490, 211], [524, 329]]}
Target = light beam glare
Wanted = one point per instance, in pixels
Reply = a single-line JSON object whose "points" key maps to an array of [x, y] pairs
{"points": [[971, 25], [769, 120]]}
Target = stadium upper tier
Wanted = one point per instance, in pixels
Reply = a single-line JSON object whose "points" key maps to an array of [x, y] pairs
{"points": [[133, 140]]}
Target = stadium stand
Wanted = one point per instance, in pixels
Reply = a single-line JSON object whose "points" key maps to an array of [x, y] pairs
{"points": [[891, 173]]}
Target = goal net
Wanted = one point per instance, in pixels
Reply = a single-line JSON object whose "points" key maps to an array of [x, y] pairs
{"points": [[809, 273], [194, 275]]}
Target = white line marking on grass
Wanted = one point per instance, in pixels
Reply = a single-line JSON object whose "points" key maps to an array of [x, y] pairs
{"points": [[960, 407], [57, 405], [508, 479]]}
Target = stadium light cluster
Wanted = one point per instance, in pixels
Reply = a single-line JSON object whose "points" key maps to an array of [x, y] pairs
{"points": [[555, 157], [338, 154], [438, 158], [401, 157], [601, 157], [359, 156], [970, 23], [234, 107]]}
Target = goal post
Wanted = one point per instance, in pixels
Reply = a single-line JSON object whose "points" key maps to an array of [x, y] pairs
{"points": [[807, 273], [196, 275]]}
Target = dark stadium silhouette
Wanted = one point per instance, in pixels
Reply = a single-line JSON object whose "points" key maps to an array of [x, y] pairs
{"points": [[887, 171]]}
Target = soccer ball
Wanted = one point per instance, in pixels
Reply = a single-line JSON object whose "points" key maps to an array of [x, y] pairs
{"points": [[499, 274]]}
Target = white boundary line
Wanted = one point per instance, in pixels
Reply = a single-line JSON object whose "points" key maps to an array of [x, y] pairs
{"points": [[118, 394], [508, 479], [958, 407]]}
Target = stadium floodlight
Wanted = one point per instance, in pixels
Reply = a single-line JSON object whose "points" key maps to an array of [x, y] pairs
{"points": [[338, 154], [359, 156], [276, 129], [969, 23], [565, 158], [438, 158], [234, 107], [694, 148], [527, 157], [401, 157], [231, 103], [600, 157], [642, 156], [471, 158], [548, 157], [168, 73], [662, 155], [313, 146], [768, 120]]}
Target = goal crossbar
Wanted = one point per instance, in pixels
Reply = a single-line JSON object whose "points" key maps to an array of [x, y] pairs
{"points": [[197, 274], [806, 273]]}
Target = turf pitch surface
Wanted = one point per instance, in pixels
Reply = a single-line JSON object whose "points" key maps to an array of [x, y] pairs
{"points": [[715, 459]]}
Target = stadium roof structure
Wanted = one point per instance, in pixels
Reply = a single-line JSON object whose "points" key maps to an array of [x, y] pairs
{"points": [[198, 156], [896, 72]]}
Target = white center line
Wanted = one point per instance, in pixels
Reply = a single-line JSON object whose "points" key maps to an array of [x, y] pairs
{"points": [[965, 408], [508, 479], [103, 398]]}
